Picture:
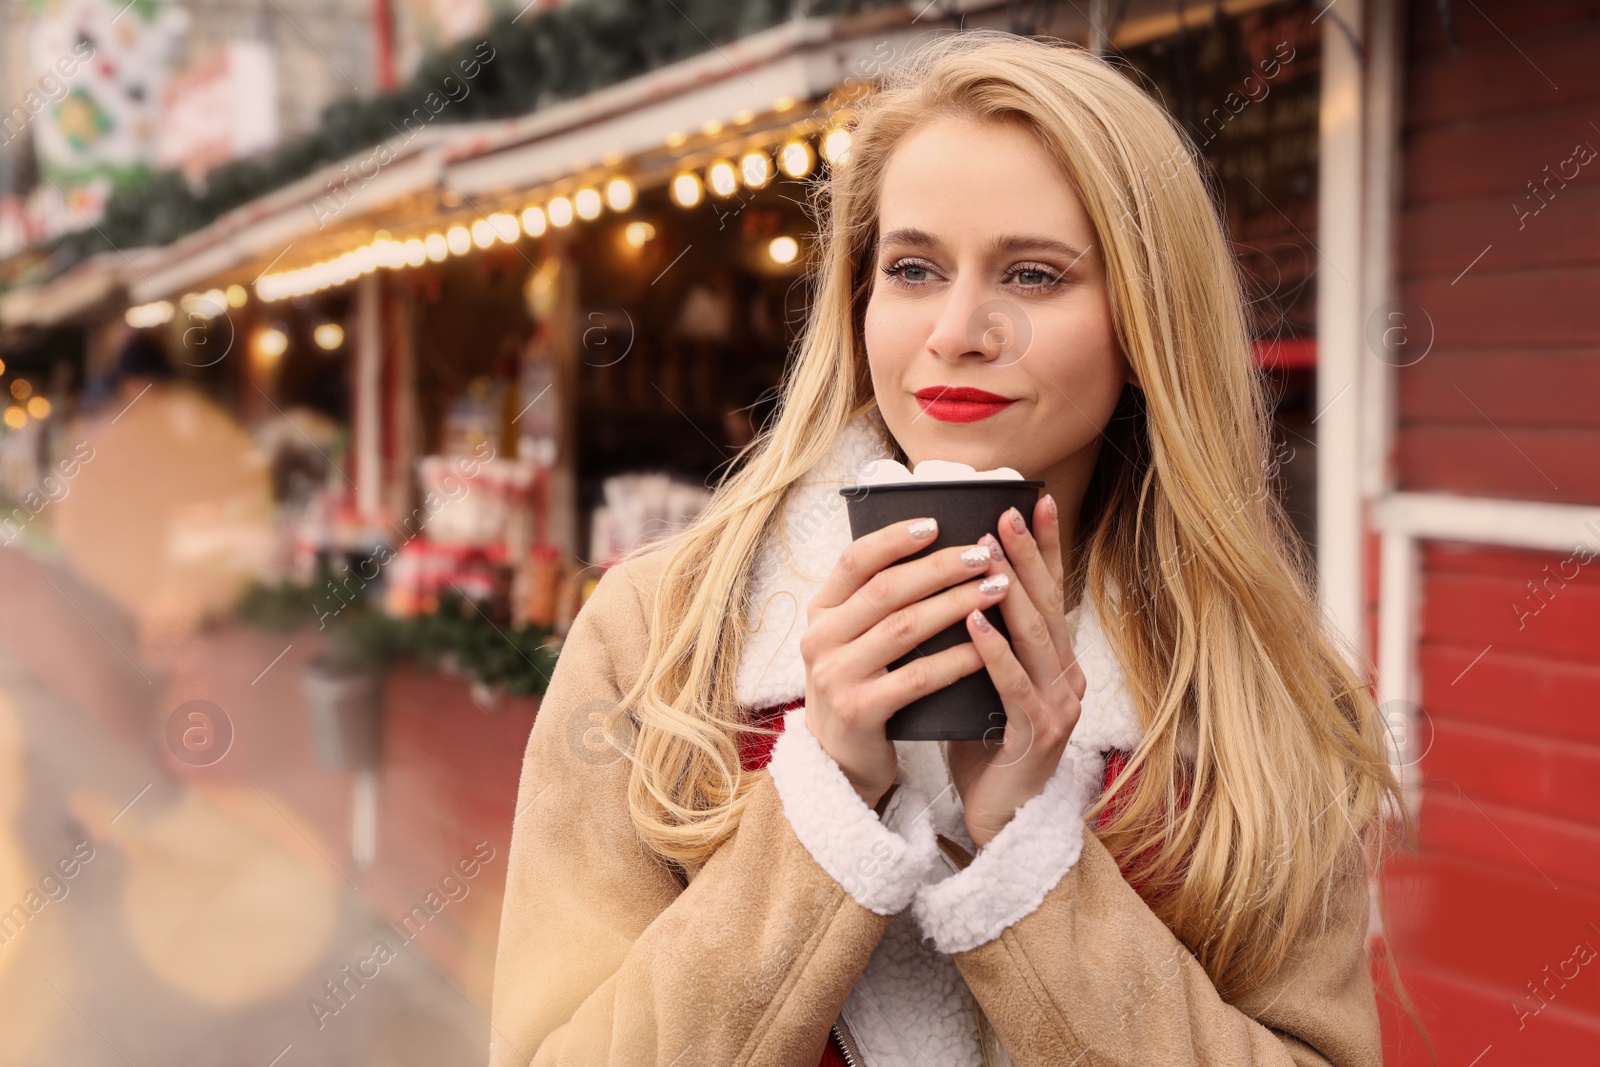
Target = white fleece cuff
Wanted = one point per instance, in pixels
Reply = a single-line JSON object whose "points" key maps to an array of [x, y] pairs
{"points": [[881, 869], [1009, 877]]}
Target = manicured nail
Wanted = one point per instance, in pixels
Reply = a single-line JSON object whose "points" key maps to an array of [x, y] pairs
{"points": [[923, 529], [975, 555], [995, 583], [1050, 506], [980, 621], [994, 546], [1017, 523]]}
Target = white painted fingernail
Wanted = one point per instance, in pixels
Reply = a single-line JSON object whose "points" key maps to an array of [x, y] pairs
{"points": [[975, 555], [995, 583], [923, 528], [980, 620]]}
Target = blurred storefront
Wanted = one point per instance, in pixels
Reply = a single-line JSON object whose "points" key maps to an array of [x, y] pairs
{"points": [[601, 295], [495, 355], [482, 360]]}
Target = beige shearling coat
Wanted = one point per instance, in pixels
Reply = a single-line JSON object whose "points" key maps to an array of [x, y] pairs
{"points": [[607, 958]]}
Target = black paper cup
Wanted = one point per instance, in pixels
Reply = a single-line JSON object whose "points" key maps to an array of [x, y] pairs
{"points": [[969, 708]]}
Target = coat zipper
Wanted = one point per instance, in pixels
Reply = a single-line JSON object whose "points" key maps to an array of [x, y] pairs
{"points": [[847, 1043]]}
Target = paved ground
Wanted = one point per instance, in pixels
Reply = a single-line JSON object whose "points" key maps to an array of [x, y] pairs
{"points": [[199, 923]]}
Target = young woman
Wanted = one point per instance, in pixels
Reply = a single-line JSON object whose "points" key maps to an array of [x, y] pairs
{"points": [[718, 856]]}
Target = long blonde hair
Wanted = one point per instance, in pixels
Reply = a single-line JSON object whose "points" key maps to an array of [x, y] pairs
{"points": [[1217, 626]]}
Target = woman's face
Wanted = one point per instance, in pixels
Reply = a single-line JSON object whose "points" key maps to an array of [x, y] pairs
{"points": [[987, 278]]}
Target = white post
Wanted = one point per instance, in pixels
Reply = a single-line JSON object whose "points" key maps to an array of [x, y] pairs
{"points": [[1341, 176], [1399, 612]]}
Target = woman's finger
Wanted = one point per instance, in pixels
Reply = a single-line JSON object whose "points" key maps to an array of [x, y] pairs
{"points": [[1031, 640], [1047, 532], [1047, 521], [867, 555], [895, 689], [905, 629], [900, 591], [1012, 682], [1044, 583]]}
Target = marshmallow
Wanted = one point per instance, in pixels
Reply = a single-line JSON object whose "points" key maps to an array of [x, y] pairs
{"points": [[887, 471]]}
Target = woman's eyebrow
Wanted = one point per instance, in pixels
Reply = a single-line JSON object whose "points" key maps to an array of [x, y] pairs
{"points": [[1006, 243]]}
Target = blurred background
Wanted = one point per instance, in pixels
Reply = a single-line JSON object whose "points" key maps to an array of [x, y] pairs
{"points": [[345, 344]]}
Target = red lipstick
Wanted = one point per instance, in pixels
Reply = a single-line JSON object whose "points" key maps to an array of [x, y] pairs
{"points": [[961, 403]]}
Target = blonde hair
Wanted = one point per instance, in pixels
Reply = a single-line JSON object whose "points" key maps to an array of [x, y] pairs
{"points": [[1190, 559]]}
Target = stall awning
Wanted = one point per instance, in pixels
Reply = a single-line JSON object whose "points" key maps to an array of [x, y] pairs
{"points": [[793, 63], [303, 212], [92, 285]]}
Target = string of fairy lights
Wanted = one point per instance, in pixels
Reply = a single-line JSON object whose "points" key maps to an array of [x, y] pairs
{"points": [[721, 179]]}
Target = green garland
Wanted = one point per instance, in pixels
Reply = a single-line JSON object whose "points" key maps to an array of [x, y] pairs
{"points": [[539, 61], [457, 637]]}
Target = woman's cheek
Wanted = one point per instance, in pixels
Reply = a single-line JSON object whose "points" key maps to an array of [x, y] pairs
{"points": [[882, 340]]}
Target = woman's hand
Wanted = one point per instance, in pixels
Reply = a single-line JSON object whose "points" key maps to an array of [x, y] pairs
{"points": [[868, 614], [1037, 675]]}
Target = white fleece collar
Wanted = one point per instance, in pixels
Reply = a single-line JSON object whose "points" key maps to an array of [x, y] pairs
{"points": [[790, 570]]}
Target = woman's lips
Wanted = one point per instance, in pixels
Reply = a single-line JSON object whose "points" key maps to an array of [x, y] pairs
{"points": [[961, 404]]}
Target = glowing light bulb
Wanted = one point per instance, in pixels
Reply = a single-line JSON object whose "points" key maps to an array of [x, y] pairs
{"points": [[720, 178], [783, 249], [505, 226], [619, 194], [272, 342], [796, 159], [329, 335], [756, 169], [686, 190], [637, 234], [836, 146]]}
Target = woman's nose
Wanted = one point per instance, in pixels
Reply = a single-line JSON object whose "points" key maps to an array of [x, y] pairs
{"points": [[976, 324], [959, 333]]}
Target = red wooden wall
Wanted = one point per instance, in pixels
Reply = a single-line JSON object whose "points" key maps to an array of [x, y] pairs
{"points": [[1504, 404], [1493, 919]]}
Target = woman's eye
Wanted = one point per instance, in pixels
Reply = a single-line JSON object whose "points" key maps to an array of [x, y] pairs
{"points": [[911, 274], [906, 273], [1035, 277]]}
